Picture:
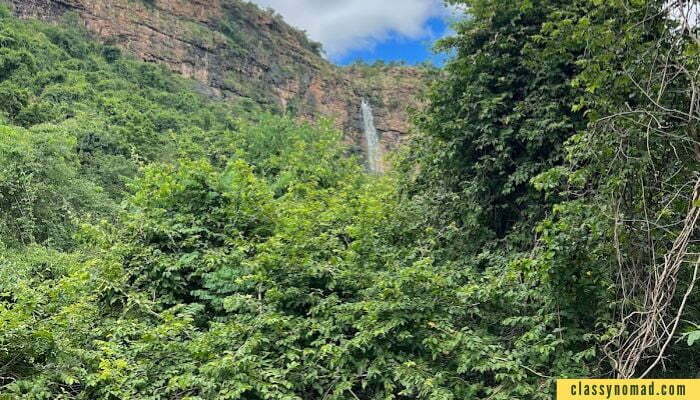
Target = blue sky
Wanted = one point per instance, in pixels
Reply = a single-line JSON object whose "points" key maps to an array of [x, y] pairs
{"points": [[400, 48], [369, 30]]}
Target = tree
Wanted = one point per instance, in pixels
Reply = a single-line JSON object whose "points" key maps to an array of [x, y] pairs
{"points": [[42, 193], [498, 118], [633, 175]]}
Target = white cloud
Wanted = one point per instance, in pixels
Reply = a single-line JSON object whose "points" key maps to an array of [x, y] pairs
{"points": [[345, 25]]}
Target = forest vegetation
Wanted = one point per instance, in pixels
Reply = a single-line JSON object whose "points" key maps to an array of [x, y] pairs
{"points": [[542, 223]]}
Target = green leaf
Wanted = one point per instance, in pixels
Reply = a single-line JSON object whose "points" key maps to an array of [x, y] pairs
{"points": [[693, 337]]}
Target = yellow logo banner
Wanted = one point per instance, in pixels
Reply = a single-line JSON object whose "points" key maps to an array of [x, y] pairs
{"points": [[628, 389]]}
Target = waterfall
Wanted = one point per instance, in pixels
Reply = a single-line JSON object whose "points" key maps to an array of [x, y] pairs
{"points": [[373, 150]]}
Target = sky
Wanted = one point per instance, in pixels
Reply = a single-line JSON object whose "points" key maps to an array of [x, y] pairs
{"points": [[369, 30]]}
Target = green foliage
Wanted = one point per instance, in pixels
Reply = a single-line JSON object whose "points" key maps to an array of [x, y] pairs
{"points": [[498, 119], [121, 112], [294, 154], [155, 244], [106, 114], [194, 216], [41, 190], [620, 179], [5, 11], [514, 143], [48, 308], [692, 337]]}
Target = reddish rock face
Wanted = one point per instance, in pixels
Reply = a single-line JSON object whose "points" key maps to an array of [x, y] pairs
{"points": [[242, 53]]}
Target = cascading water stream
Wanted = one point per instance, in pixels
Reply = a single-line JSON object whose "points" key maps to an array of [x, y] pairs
{"points": [[373, 149]]}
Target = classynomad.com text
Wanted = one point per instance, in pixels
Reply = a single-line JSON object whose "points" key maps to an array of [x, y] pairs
{"points": [[612, 389]]}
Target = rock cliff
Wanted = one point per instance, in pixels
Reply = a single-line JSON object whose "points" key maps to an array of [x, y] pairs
{"points": [[243, 53]]}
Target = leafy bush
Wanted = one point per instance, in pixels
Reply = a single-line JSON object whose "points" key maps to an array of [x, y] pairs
{"points": [[41, 190], [5, 11]]}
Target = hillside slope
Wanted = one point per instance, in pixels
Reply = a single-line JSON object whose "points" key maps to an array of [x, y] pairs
{"points": [[238, 51]]}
